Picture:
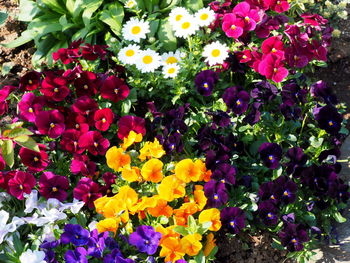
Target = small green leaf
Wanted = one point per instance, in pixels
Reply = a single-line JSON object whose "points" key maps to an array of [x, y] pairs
{"points": [[126, 106], [7, 152], [28, 9], [3, 18], [113, 15], [339, 218], [181, 230], [194, 5], [6, 68], [27, 142], [55, 6], [89, 9]]}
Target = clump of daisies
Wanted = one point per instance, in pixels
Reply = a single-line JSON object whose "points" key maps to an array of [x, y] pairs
{"points": [[185, 24]]}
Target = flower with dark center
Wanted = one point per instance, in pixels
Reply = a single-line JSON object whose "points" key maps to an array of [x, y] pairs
{"points": [[328, 118], [232, 219], [297, 159], [264, 91], [114, 89], [21, 183], [94, 142], [30, 81], [293, 236], [205, 81], [216, 193], [145, 239], [270, 154], [87, 191], [320, 89], [268, 212], [290, 113], [35, 161], [130, 123], [103, 119], [53, 186], [225, 173], [50, 123], [30, 106], [236, 99]]}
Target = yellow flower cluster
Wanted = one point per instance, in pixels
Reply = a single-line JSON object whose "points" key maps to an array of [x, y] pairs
{"points": [[174, 196]]}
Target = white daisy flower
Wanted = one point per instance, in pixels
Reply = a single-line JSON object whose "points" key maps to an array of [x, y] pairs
{"points": [[186, 27], [177, 14], [128, 55], [148, 61], [171, 70], [130, 4], [215, 53], [171, 57], [135, 30], [205, 16]]}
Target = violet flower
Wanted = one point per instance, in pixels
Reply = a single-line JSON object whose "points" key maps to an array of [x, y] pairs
{"points": [[328, 118], [75, 234], [293, 236], [76, 256], [216, 193], [205, 81], [232, 219], [146, 239], [268, 212], [270, 154], [236, 99]]}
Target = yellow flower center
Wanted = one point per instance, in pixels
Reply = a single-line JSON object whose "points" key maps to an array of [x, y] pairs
{"points": [[232, 223], [30, 81], [54, 189], [103, 120], [215, 53], [36, 159], [178, 17], [247, 19], [204, 16], [273, 50], [136, 30], [278, 2], [55, 89], [330, 123], [238, 102], [30, 110], [233, 27], [285, 193], [95, 144], [216, 197], [244, 56], [171, 71], [270, 157], [205, 85], [52, 125], [186, 25], [77, 126], [275, 70], [269, 215], [147, 59], [86, 86], [294, 240], [116, 91], [130, 53], [171, 60], [21, 187]]}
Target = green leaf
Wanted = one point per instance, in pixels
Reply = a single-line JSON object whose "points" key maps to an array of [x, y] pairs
{"points": [[3, 18], [7, 152], [6, 68], [126, 106], [55, 6], [89, 9], [166, 36], [26, 36], [181, 230], [27, 142], [200, 258], [194, 5], [154, 25], [166, 5], [339, 218], [28, 10], [70, 6], [113, 15], [277, 246]]}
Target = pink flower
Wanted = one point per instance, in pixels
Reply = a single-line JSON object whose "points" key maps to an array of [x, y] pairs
{"points": [[53, 186], [86, 84], [278, 6], [70, 141], [273, 68], [248, 15], [35, 161], [82, 164], [130, 123], [114, 89], [244, 56], [94, 142], [30, 105], [103, 119], [261, 4], [232, 26], [314, 20], [54, 87], [5, 92], [87, 191], [2, 163], [273, 45], [30, 81], [50, 123], [21, 183]]}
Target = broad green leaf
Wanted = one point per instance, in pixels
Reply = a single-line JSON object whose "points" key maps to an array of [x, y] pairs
{"points": [[81, 33], [6, 68], [8, 153], [45, 27], [26, 36], [194, 5], [78, 7], [18, 132], [27, 142], [154, 27], [3, 18], [339, 218], [200, 258], [70, 6], [140, 4], [181, 230], [55, 6], [166, 36], [14, 125], [64, 23], [28, 9], [89, 9], [113, 16], [168, 4], [126, 106]]}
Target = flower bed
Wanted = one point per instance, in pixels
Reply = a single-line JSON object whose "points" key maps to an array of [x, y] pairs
{"points": [[197, 120]]}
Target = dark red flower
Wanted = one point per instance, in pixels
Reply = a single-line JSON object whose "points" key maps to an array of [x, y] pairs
{"points": [[35, 161], [94, 142], [278, 6], [50, 123], [30, 106], [130, 123], [53, 186], [54, 87], [21, 183], [92, 52], [70, 54], [314, 19], [30, 81], [86, 106], [114, 89], [86, 84], [82, 164], [87, 191], [70, 141], [76, 121], [103, 119]]}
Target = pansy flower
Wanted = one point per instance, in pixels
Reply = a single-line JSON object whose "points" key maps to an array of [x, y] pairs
{"points": [[320, 89], [50, 123], [30, 81], [103, 119], [233, 219], [87, 191], [94, 142], [82, 164], [53, 186], [297, 159], [54, 87], [92, 52], [272, 67], [270, 154], [216, 193], [232, 26], [264, 91], [30, 106], [22, 183], [130, 123], [35, 161], [75, 234], [236, 99], [96, 243], [205, 81], [70, 141], [293, 236], [328, 118], [225, 173], [278, 6], [114, 89], [76, 256], [86, 106], [145, 239], [268, 212], [273, 45], [86, 84], [248, 15]]}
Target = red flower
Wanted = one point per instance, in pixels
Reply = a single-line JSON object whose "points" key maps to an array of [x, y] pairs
{"points": [[30, 81], [94, 142], [130, 123], [5, 178], [103, 119], [88, 191], [70, 54], [76, 121], [21, 183], [4, 93], [35, 161], [53, 186], [314, 19], [70, 141], [86, 106], [273, 45], [54, 87], [244, 56], [114, 89], [273, 68], [30, 105], [50, 123], [82, 164], [278, 6], [86, 84], [92, 52]]}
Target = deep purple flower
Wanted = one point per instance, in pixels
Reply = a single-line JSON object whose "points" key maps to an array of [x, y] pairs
{"points": [[216, 193], [269, 191], [75, 234], [47, 245], [268, 212], [205, 81], [225, 173], [270, 154], [289, 218], [297, 159], [53, 186], [146, 239], [171, 143], [328, 118], [76, 256], [321, 90], [264, 91], [116, 257], [96, 243], [330, 157], [236, 99], [232, 219], [50, 123], [254, 114], [287, 188], [220, 118], [290, 113], [292, 94], [293, 236]]}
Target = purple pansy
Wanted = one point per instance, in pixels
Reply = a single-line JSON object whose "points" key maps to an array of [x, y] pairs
{"points": [[270, 154], [76, 256], [232, 219], [328, 118], [146, 239], [205, 81], [268, 212], [236, 99], [293, 236], [75, 234], [216, 193]]}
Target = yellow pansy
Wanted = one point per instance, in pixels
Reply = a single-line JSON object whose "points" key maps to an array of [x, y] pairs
{"points": [[116, 159]]}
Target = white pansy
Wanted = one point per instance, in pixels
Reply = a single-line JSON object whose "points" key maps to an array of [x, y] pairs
{"points": [[128, 54], [92, 225], [215, 53], [148, 61], [73, 207], [205, 16], [31, 201], [30, 256], [135, 29]]}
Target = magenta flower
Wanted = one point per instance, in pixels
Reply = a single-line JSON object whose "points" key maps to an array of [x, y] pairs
{"points": [[86, 84], [273, 45], [272, 67], [70, 54], [35, 161], [30, 81], [70, 141], [50, 123], [248, 15], [53, 186], [94, 142], [314, 19], [54, 87], [103, 119], [2, 163], [21, 183], [278, 6], [244, 56], [114, 89], [87, 191], [86, 106], [130, 123], [82, 164], [30, 105], [76, 121], [232, 26], [92, 52]]}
